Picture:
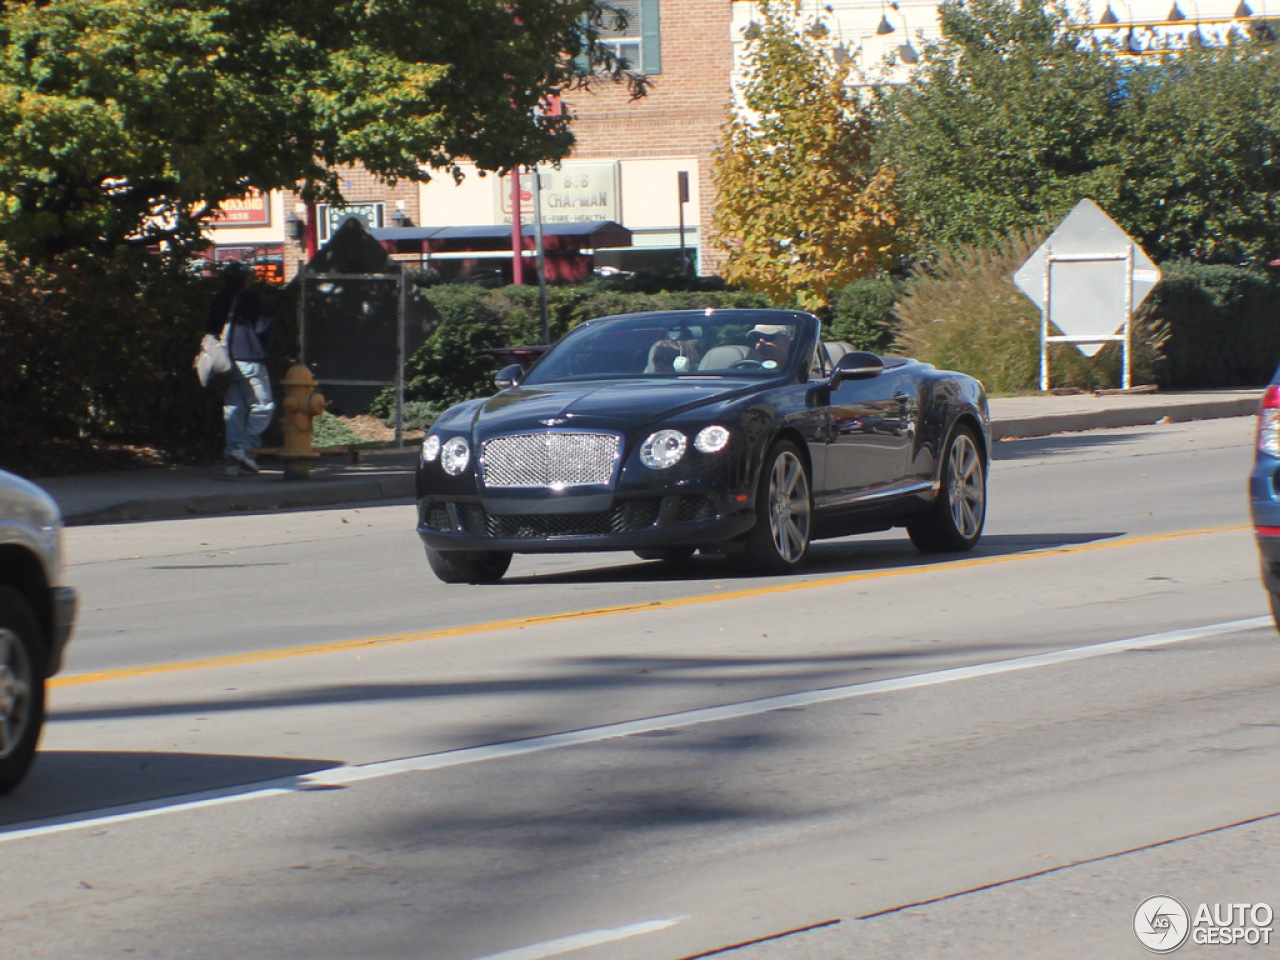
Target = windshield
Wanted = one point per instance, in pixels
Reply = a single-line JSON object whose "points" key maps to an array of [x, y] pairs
{"points": [[718, 343]]}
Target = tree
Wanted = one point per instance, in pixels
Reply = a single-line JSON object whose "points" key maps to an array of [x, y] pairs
{"points": [[1010, 117], [1203, 180], [1015, 115], [131, 120], [803, 205]]}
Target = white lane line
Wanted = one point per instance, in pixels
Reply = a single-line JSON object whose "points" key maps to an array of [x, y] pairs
{"points": [[580, 941], [344, 775]]}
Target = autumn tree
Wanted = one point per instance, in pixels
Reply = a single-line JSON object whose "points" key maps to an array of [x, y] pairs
{"points": [[803, 205], [131, 120]]}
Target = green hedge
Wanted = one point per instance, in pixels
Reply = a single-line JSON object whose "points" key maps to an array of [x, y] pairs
{"points": [[1223, 323]]}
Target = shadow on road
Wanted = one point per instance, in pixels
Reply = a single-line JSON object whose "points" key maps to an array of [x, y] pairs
{"points": [[70, 782], [1062, 443], [850, 555]]}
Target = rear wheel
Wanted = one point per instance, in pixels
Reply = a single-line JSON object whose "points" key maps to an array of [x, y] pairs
{"points": [[465, 566], [954, 522], [1275, 608], [21, 687], [779, 541]]}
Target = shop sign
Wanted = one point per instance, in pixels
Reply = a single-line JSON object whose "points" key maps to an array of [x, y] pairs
{"points": [[576, 193], [251, 210]]}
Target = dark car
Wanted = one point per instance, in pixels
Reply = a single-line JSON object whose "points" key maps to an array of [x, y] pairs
{"points": [[1264, 492], [727, 431]]}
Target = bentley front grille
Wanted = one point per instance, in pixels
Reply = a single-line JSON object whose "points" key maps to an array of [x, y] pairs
{"points": [[625, 517], [552, 459]]}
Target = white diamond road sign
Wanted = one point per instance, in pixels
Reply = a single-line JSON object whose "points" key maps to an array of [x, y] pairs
{"points": [[1088, 278]]}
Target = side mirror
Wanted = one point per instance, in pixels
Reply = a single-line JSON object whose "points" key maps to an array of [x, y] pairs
{"points": [[856, 366], [508, 376]]}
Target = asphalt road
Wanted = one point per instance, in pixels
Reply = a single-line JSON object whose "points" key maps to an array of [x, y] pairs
{"points": [[279, 736]]}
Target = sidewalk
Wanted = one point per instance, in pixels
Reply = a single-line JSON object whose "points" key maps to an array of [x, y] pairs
{"points": [[388, 474]]}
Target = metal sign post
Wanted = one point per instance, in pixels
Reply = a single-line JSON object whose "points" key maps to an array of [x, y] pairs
{"points": [[1125, 337]]}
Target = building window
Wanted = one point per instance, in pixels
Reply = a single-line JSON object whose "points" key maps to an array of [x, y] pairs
{"points": [[637, 40]]}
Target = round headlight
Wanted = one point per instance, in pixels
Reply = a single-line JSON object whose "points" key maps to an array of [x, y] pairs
{"points": [[430, 448], [663, 449], [711, 439], [454, 456]]}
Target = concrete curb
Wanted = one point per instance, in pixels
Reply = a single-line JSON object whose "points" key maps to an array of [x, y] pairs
{"points": [[1043, 425], [298, 495]]}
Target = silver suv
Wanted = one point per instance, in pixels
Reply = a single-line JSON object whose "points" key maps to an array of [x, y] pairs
{"points": [[36, 615]]}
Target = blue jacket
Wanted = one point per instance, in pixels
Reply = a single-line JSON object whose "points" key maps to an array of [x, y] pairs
{"points": [[250, 325]]}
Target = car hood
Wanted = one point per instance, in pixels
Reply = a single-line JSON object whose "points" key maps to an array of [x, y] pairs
{"points": [[601, 406]]}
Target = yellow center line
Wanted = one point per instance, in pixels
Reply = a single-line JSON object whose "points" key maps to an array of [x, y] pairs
{"points": [[495, 626]]}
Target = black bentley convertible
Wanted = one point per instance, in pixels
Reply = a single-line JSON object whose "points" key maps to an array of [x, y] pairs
{"points": [[738, 432]]}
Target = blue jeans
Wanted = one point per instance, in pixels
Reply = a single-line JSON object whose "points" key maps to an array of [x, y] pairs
{"points": [[247, 407]]}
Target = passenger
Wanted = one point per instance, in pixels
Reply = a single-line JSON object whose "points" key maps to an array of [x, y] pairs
{"points": [[669, 356]]}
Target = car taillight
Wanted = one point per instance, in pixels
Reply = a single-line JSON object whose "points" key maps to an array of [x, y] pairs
{"points": [[1269, 422]]}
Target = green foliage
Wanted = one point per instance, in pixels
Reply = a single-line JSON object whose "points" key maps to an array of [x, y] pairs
{"points": [[804, 205], [1009, 118], [418, 415], [1012, 118], [328, 431], [451, 365], [1223, 323], [863, 313], [131, 121], [1202, 179]]}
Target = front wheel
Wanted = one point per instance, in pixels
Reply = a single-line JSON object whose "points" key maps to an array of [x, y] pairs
{"points": [[21, 687], [779, 541], [954, 522], [465, 566]]}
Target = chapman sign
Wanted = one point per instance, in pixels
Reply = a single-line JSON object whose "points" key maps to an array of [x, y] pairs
{"points": [[1087, 279], [576, 193]]}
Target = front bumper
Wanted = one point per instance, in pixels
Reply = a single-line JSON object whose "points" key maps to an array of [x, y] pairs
{"points": [[687, 519]]}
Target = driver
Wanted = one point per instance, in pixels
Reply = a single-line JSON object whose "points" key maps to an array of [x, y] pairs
{"points": [[771, 341]]}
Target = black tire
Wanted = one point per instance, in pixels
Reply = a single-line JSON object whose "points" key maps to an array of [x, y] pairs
{"points": [[457, 566], [955, 520], [779, 542], [22, 670], [1275, 608], [666, 554]]}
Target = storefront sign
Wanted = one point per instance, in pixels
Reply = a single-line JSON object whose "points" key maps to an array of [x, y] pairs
{"points": [[251, 210], [575, 193]]}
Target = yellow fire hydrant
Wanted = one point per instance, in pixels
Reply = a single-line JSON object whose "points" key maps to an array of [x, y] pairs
{"points": [[302, 404]]}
